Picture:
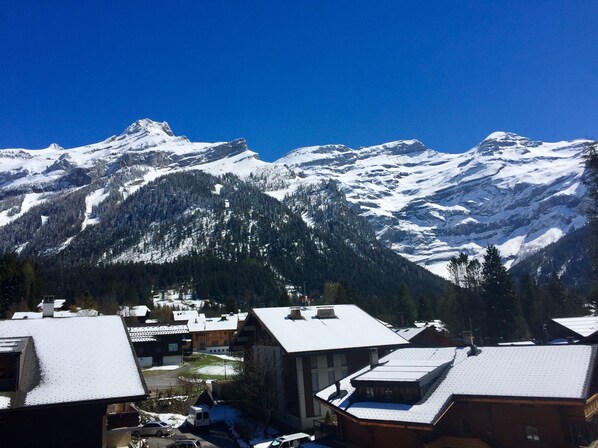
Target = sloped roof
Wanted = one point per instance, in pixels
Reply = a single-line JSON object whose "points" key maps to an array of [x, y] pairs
{"points": [[535, 372], [146, 333], [583, 326], [58, 303], [225, 322], [351, 328], [78, 360], [409, 333], [61, 314], [134, 311], [186, 315]]}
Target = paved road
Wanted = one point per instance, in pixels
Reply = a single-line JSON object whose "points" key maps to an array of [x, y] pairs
{"points": [[163, 380], [207, 440]]}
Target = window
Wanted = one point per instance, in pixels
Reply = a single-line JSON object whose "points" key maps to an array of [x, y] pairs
{"points": [[173, 347], [330, 376], [532, 434], [330, 360], [369, 392], [8, 373], [343, 360]]}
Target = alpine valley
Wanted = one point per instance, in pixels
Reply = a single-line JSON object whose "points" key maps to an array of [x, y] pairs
{"points": [[373, 216]]}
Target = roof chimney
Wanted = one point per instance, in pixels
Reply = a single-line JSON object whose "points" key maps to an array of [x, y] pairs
{"points": [[373, 357], [48, 306], [295, 313], [325, 312]]}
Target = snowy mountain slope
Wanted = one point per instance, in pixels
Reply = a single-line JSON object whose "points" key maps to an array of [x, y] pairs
{"points": [[145, 151], [426, 205], [516, 193]]}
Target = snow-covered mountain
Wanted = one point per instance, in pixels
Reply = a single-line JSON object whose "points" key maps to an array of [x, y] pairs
{"points": [[426, 205], [510, 191]]}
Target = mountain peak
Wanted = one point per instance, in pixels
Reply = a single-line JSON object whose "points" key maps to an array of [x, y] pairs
{"points": [[398, 147], [502, 135], [500, 140], [147, 126]]}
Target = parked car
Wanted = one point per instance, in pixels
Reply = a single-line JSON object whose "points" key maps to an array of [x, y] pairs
{"points": [[288, 441], [185, 443], [153, 429]]}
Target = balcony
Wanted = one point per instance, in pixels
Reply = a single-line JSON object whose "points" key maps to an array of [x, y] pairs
{"points": [[591, 407]]}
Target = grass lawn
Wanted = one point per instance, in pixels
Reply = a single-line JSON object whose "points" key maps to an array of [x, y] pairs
{"points": [[209, 367]]}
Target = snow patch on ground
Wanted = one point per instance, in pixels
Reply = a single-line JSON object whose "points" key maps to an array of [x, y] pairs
{"points": [[175, 420], [29, 201], [161, 368], [228, 369], [91, 201]]}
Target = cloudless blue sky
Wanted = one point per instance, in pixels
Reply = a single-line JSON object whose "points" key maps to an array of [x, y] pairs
{"points": [[284, 74]]}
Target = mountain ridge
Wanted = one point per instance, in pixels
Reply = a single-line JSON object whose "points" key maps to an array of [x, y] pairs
{"points": [[511, 191]]}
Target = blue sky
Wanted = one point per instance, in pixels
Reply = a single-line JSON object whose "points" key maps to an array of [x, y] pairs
{"points": [[286, 74]]}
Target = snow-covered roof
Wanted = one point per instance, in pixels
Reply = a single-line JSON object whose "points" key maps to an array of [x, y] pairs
{"points": [[583, 326], [61, 314], [402, 371], [436, 323], [58, 303], [145, 333], [187, 315], [225, 322], [134, 311], [85, 359], [536, 372], [351, 328], [409, 333]]}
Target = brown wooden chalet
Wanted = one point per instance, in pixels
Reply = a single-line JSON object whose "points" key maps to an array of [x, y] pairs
{"points": [[500, 397], [58, 377], [308, 348], [158, 344]]}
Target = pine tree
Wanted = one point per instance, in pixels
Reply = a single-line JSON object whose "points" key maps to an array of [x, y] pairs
{"points": [[503, 317], [531, 304], [591, 157]]}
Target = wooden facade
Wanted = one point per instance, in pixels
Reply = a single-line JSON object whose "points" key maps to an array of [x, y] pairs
{"points": [[206, 340], [481, 421], [496, 424]]}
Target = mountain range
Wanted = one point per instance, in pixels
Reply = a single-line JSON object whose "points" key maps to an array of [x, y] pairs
{"points": [[149, 195]]}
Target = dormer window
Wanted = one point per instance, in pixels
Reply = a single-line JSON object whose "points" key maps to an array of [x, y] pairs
{"points": [[11, 361], [399, 382]]}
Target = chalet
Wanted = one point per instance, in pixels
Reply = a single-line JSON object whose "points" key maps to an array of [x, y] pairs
{"points": [[308, 348], [582, 330], [467, 396], [134, 314], [58, 376], [159, 344], [214, 334]]}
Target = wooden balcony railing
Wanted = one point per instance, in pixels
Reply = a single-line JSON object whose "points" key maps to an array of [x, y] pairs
{"points": [[591, 406]]}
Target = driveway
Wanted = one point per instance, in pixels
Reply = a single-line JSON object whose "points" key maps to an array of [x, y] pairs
{"points": [[158, 380]]}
